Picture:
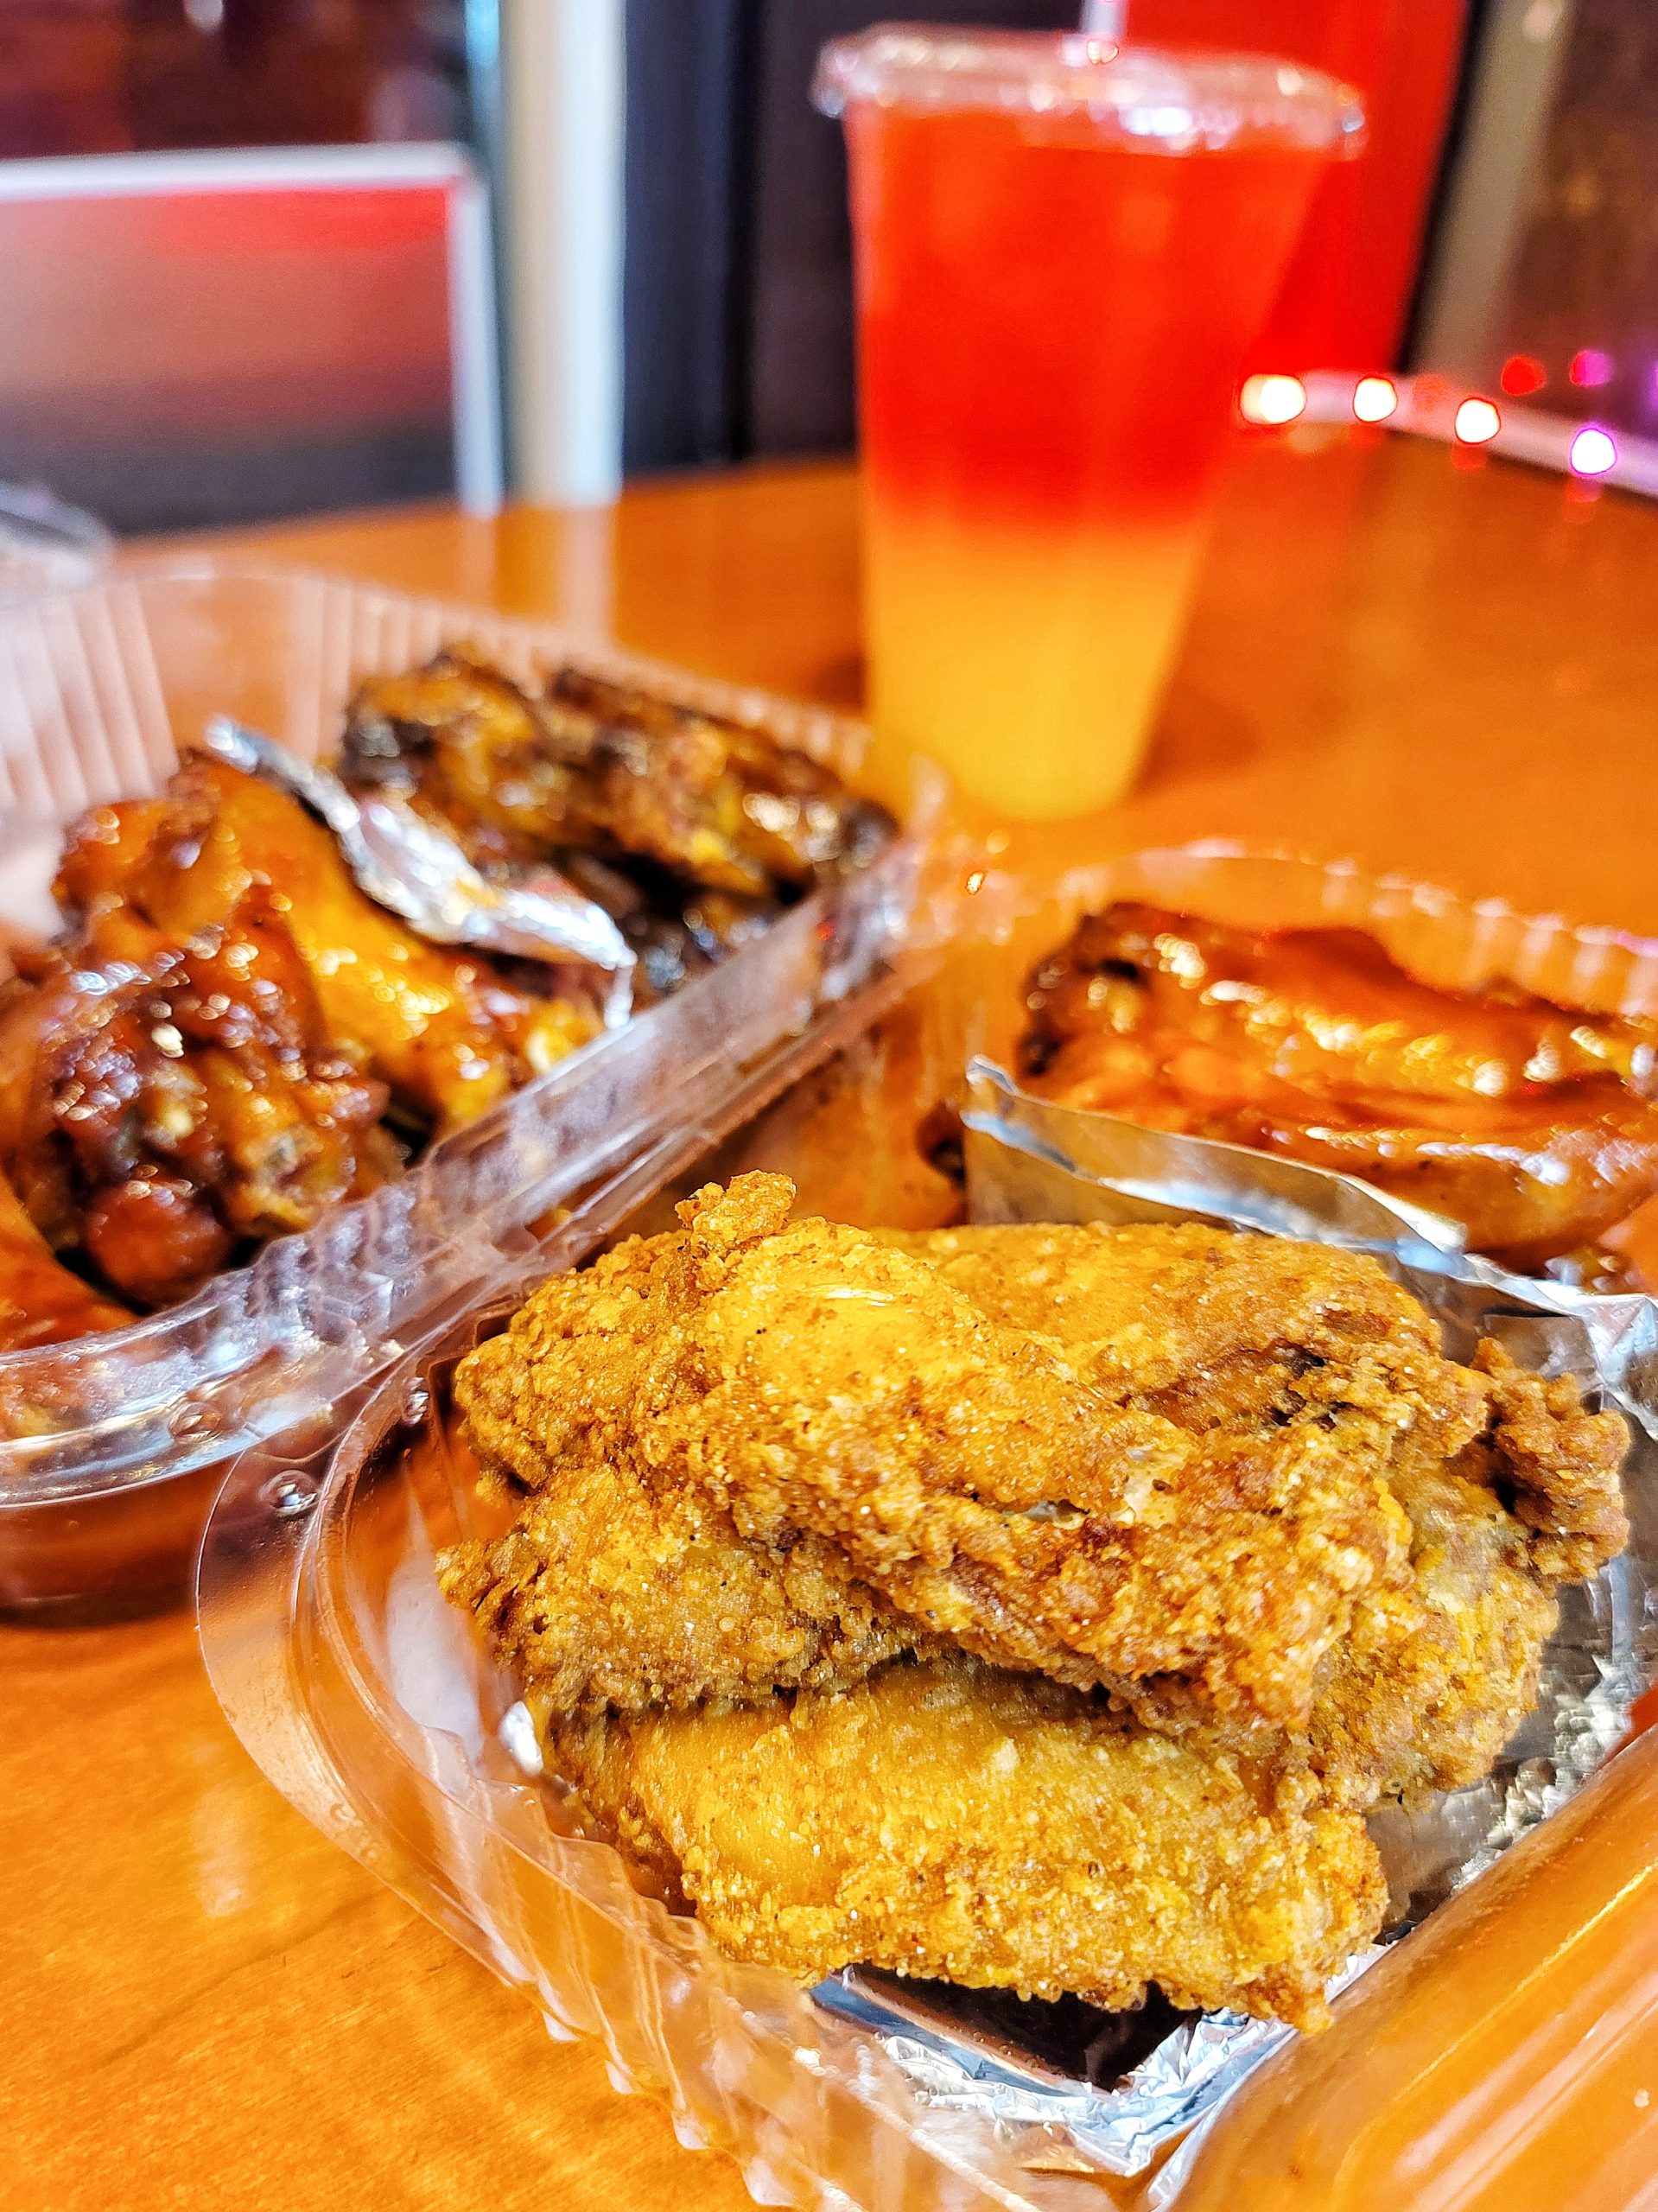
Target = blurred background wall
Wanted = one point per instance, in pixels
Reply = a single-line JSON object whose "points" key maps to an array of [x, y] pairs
{"points": [[677, 274]]}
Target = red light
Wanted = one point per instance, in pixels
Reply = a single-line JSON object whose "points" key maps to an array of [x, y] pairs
{"points": [[1591, 368], [1477, 422], [1521, 376]]}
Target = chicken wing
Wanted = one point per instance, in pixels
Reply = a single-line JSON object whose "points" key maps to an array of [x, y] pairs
{"points": [[1438, 1666], [619, 773], [165, 1105], [41, 1302], [948, 1820], [606, 1594], [1536, 1125], [443, 1029], [1188, 1513]]}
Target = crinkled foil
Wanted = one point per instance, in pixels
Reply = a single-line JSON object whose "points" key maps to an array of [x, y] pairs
{"points": [[1029, 1161], [409, 864]]}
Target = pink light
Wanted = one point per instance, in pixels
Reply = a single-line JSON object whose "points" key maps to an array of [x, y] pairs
{"points": [[1477, 422], [1273, 400], [1375, 398], [1591, 368], [1593, 451]]}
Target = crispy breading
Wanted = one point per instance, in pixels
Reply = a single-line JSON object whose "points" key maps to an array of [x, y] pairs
{"points": [[952, 1819], [1230, 1482], [1437, 1667], [1003, 1489], [605, 1594]]}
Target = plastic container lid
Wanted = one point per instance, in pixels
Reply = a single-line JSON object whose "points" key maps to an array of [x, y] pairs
{"points": [[45, 545], [1140, 97]]}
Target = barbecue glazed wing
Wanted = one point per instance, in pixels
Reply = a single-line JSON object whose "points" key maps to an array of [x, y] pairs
{"points": [[1175, 1518], [1533, 1124], [165, 1105], [949, 1820], [41, 1302], [592, 767], [444, 1030]]}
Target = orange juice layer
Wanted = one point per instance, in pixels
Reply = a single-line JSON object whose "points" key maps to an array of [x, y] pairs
{"points": [[1027, 662]]}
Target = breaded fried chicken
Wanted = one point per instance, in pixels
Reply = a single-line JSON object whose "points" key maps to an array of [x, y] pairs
{"points": [[950, 1820], [1260, 1553], [1015, 1492], [1438, 1666], [606, 1594]]}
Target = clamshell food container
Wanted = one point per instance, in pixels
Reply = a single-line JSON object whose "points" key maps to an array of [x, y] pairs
{"points": [[107, 1441], [1500, 2053]]}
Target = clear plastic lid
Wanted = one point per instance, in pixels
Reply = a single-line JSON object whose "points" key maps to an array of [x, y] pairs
{"points": [[45, 545], [1153, 102]]}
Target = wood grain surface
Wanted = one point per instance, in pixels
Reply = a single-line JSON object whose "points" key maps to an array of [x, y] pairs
{"points": [[1443, 669]]}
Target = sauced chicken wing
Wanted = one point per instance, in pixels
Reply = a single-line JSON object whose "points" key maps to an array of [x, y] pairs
{"points": [[41, 1302], [949, 1820], [1190, 1519], [1536, 1125], [597, 768], [444, 1030], [165, 1104]]}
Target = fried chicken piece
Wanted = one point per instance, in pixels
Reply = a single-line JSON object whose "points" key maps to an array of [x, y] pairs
{"points": [[41, 1302], [950, 1819], [1106, 1517], [604, 1594], [619, 773], [610, 1591], [443, 1029], [1437, 1668], [1536, 1125], [164, 1105]]}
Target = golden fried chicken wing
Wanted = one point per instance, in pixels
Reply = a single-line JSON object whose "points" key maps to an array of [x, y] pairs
{"points": [[1536, 1125], [998, 1485], [606, 1594], [948, 1820], [1437, 1667]]}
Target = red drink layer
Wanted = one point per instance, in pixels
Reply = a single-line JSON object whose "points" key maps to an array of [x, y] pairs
{"points": [[1052, 324]]}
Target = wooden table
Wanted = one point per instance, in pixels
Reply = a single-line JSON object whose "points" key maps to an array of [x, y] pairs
{"points": [[1427, 665]]}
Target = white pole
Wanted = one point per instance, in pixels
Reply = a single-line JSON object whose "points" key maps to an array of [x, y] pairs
{"points": [[1104, 18], [562, 74]]}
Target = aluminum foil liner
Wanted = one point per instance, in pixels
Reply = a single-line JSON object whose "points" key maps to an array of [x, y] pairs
{"points": [[1041, 2082], [410, 865]]}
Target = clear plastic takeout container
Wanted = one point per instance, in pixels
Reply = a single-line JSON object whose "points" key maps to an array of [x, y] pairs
{"points": [[1489, 2059], [106, 1442]]}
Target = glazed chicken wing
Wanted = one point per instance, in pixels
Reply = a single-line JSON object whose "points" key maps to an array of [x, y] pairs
{"points": [[616, 773], [949, 1820], [443, 1029], [1536, 1125], [41, 1302], [164, 1105]]}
